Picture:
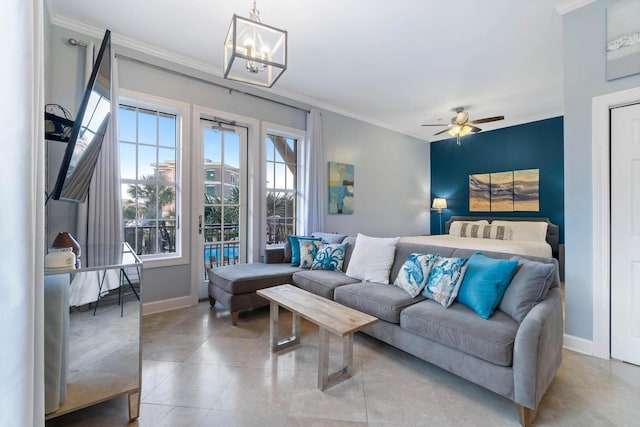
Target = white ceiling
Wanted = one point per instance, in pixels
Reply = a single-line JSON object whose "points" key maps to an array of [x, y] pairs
{"points": [[397, 63]]}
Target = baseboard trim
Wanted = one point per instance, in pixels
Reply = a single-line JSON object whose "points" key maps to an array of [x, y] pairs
{"points": [[579, 345], [167, 305]]}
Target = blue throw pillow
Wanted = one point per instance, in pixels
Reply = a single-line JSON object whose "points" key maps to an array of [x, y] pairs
{"points": [[295, 247], [330, 257], [414, 273], [308, 250], [485, 282], [444, 280]]}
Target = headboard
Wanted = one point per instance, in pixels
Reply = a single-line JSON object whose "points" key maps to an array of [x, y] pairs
{"points": [[553, 231]]}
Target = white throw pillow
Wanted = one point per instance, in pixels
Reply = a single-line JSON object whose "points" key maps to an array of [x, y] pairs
{"points": [[456, 226], [372, 258], [532, 231]]}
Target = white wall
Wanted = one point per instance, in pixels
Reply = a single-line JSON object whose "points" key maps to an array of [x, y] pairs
{"points": [[392, 170], [584, 32], [392, 178]]}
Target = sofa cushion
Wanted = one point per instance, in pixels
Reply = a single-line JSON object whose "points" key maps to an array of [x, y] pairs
{"points": [[244, 278], [382, 301], [485, 282], [321, 282], [372, 258], [529, 286], [330, 256], [460, 328]]}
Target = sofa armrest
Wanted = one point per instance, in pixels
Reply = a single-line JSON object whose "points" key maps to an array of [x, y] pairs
{"points": [[537, 351], [274, 255]]}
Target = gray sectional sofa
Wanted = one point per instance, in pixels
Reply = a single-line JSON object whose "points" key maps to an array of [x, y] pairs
{"points": [[515, 359]]}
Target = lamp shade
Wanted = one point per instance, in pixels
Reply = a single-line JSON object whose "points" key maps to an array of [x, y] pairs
{"points": [[439, 203], [254, 53]]}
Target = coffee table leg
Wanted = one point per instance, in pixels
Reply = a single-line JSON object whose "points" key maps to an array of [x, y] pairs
{"points": [[281, 344], [324, 379]]}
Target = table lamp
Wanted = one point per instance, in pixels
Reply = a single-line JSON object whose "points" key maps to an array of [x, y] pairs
{"points": [[438, 205]]}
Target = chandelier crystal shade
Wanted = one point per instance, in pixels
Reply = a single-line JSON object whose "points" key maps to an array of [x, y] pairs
{"points": [[254, 52]]}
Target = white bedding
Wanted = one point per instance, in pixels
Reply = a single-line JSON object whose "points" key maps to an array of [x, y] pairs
{"points": [[516, 247]]}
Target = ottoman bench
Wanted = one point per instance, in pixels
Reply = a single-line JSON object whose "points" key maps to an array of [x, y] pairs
{"points": [[235, 286]]}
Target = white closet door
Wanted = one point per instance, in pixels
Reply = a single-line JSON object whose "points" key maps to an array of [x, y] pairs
{"points": [[625, 233]]}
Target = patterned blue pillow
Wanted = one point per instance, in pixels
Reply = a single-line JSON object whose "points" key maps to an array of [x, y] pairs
{"points": [[308, 250], [414, 273], [330, 257], [445, 279], [295, 248]]}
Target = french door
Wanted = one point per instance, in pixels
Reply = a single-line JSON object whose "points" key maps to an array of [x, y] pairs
{"points": [[221, 222]]}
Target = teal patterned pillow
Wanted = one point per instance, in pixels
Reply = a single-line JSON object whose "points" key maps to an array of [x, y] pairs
{"points": [[308, 250], [445, 279], [414, 273], [295, 248], [330, 257]]}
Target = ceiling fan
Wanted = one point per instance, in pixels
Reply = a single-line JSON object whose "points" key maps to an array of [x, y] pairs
{"points": [[460, 124]]}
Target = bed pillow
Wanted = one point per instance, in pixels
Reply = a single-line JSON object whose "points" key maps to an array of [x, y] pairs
{"points": [[329, 237], [497, 232], [414, 273], [455, 227], [485, 282], [308, 250], [528, 287], [372, 258], [330, 256], [295, 248], [444, 280], [532, 231]]}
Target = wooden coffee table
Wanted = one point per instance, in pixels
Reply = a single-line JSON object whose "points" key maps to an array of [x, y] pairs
{"points": [[328, 315]]}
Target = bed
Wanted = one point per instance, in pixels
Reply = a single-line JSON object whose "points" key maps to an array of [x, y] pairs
{"points": [[524, 238]]}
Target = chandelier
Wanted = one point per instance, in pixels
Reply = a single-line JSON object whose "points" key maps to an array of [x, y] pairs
{"points": [[254, 52]]}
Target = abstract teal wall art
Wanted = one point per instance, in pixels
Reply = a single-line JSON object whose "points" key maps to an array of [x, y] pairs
{"points": [[341, 185]]}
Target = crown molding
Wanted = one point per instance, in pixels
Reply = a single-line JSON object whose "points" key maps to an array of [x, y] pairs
{"points": [[570, 5], [214, 71]]}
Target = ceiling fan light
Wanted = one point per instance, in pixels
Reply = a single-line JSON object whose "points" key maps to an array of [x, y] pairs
{"points": [[465, 130], [455, 130]]}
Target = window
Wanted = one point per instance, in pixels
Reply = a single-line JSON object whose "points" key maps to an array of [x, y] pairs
{"points": [[281, 188], [149, 169]]}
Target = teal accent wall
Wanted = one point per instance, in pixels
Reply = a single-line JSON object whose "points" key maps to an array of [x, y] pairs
{"points": [[535, 145]]}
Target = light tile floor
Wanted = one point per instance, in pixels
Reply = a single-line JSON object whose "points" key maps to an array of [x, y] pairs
{"points": [[198, 370]]}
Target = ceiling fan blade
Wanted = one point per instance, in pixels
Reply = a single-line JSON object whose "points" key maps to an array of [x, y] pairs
{"points": [[486, 120], [475, 129], [442, 131], [434, 124]]}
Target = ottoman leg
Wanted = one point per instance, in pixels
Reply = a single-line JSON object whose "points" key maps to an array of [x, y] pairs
{"points": [[234, 317], [212, 301]]}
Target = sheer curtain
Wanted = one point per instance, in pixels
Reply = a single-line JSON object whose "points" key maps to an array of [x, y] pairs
{"points": [[100, 217], [22, 225], [314, 175]]}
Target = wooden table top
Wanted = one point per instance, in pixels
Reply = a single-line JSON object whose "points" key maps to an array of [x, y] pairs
{"points": [[337, 318]]}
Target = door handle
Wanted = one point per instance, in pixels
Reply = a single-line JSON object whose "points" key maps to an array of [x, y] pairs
{"points": [[199, 224]]}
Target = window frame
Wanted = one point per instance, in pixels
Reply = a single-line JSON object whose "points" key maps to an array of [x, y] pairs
{"points": [[300, 135], [182, 199]]}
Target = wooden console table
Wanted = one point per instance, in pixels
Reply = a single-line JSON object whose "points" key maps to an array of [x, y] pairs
{"points": [[328, 315]]}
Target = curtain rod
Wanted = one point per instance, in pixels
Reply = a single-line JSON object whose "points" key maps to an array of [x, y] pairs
{"points": [[200, 79]]}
